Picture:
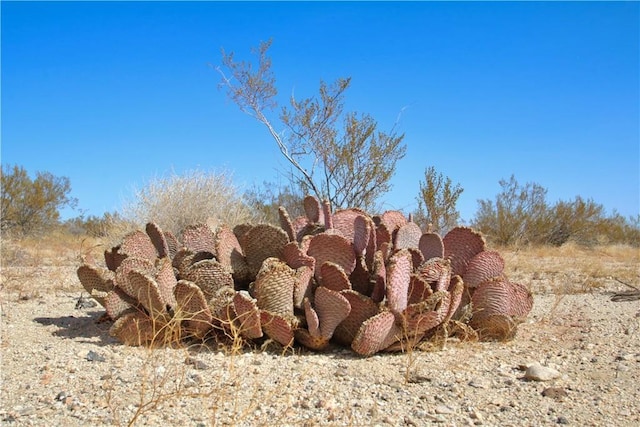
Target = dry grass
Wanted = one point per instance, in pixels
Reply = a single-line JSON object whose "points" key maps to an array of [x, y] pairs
{"points": [[571, 269], [50, 261]]}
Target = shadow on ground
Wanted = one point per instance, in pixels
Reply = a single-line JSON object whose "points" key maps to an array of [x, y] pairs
{"points": [[87, 327]]}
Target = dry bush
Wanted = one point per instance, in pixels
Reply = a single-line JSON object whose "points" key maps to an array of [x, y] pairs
{"points": [[175, 201]]}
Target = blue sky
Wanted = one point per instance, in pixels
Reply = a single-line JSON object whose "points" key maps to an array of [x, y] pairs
{"points": [[112, 94]]}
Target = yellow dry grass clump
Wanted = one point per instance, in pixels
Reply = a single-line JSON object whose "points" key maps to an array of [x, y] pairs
{"points": [[571, 269]]}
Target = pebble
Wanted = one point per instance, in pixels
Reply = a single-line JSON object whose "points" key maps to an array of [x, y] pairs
{"points": [[537, 372], [84, 302], [444, 410], [557, 393], [92, 356], [477, 383], [197, 364]]}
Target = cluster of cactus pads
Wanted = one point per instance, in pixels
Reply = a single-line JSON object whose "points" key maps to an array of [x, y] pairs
{"points": [[369, 282]]}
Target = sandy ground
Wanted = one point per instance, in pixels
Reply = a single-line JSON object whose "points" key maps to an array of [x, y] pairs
{"points": [[60, 367]]}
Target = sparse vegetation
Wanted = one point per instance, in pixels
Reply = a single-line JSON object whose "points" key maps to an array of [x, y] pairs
{"points": [[195, 196], [520, 214], [30, 206], [437, 202], [337, 156]]}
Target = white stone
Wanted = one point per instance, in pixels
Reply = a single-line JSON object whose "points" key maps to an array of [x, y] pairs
{"points": [[537, 372]]}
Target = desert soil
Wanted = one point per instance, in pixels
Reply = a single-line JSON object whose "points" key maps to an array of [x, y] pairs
{"points": [[60, 367]]}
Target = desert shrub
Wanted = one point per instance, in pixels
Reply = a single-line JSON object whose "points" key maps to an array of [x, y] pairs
{"points": [[339, 156], [175, 201], [265, 200], [520, 214], [31, 206], [437, 202]]}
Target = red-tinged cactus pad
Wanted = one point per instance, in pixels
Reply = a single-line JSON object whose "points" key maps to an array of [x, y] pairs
{"points": [[261, 242], [371, 246], [461, 244], [360, 277], [117, 302], [113, 257], [295, 256], [332, 308], [408, 236], [376, 334], [221, 305], [148, 295], [311, 316], [158, 239], [326, 213], [310, 341], [419, 289], [247, 320], [286, 224], [182, 259], [312, 209], [133, 328], [362, 227], [210, 276], [277, 328], [166, 280], [129, 264], [485, 266], [383, 235], [379, 277], [274, 287], [393, 220], [331, 247], [192, 309], [456, 290], [416, 257], [172, 243], [303, 285], [362, 308], [431, 246], [344, 221], [498, 306], [199, 238], [436, 271], [229, 254], [334, 277], [96, 278], [398, 278], [421, 317], [137, 244]]}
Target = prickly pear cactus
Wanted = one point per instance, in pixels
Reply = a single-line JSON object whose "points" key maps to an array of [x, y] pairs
{"points": [[371, 283]]}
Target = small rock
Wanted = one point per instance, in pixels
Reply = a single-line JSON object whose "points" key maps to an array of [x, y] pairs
{"points": [[92, 356], [85, 303], [625, 357], [444, 410], [417, 379], [477, 416], [408, 421], [562, 420], [197, 364], [557, 393], [62, 396], [537, 372], [341, 372], [476, 383]]}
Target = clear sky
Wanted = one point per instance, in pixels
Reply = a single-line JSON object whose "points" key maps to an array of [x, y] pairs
{"points": [[112, 94]]}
